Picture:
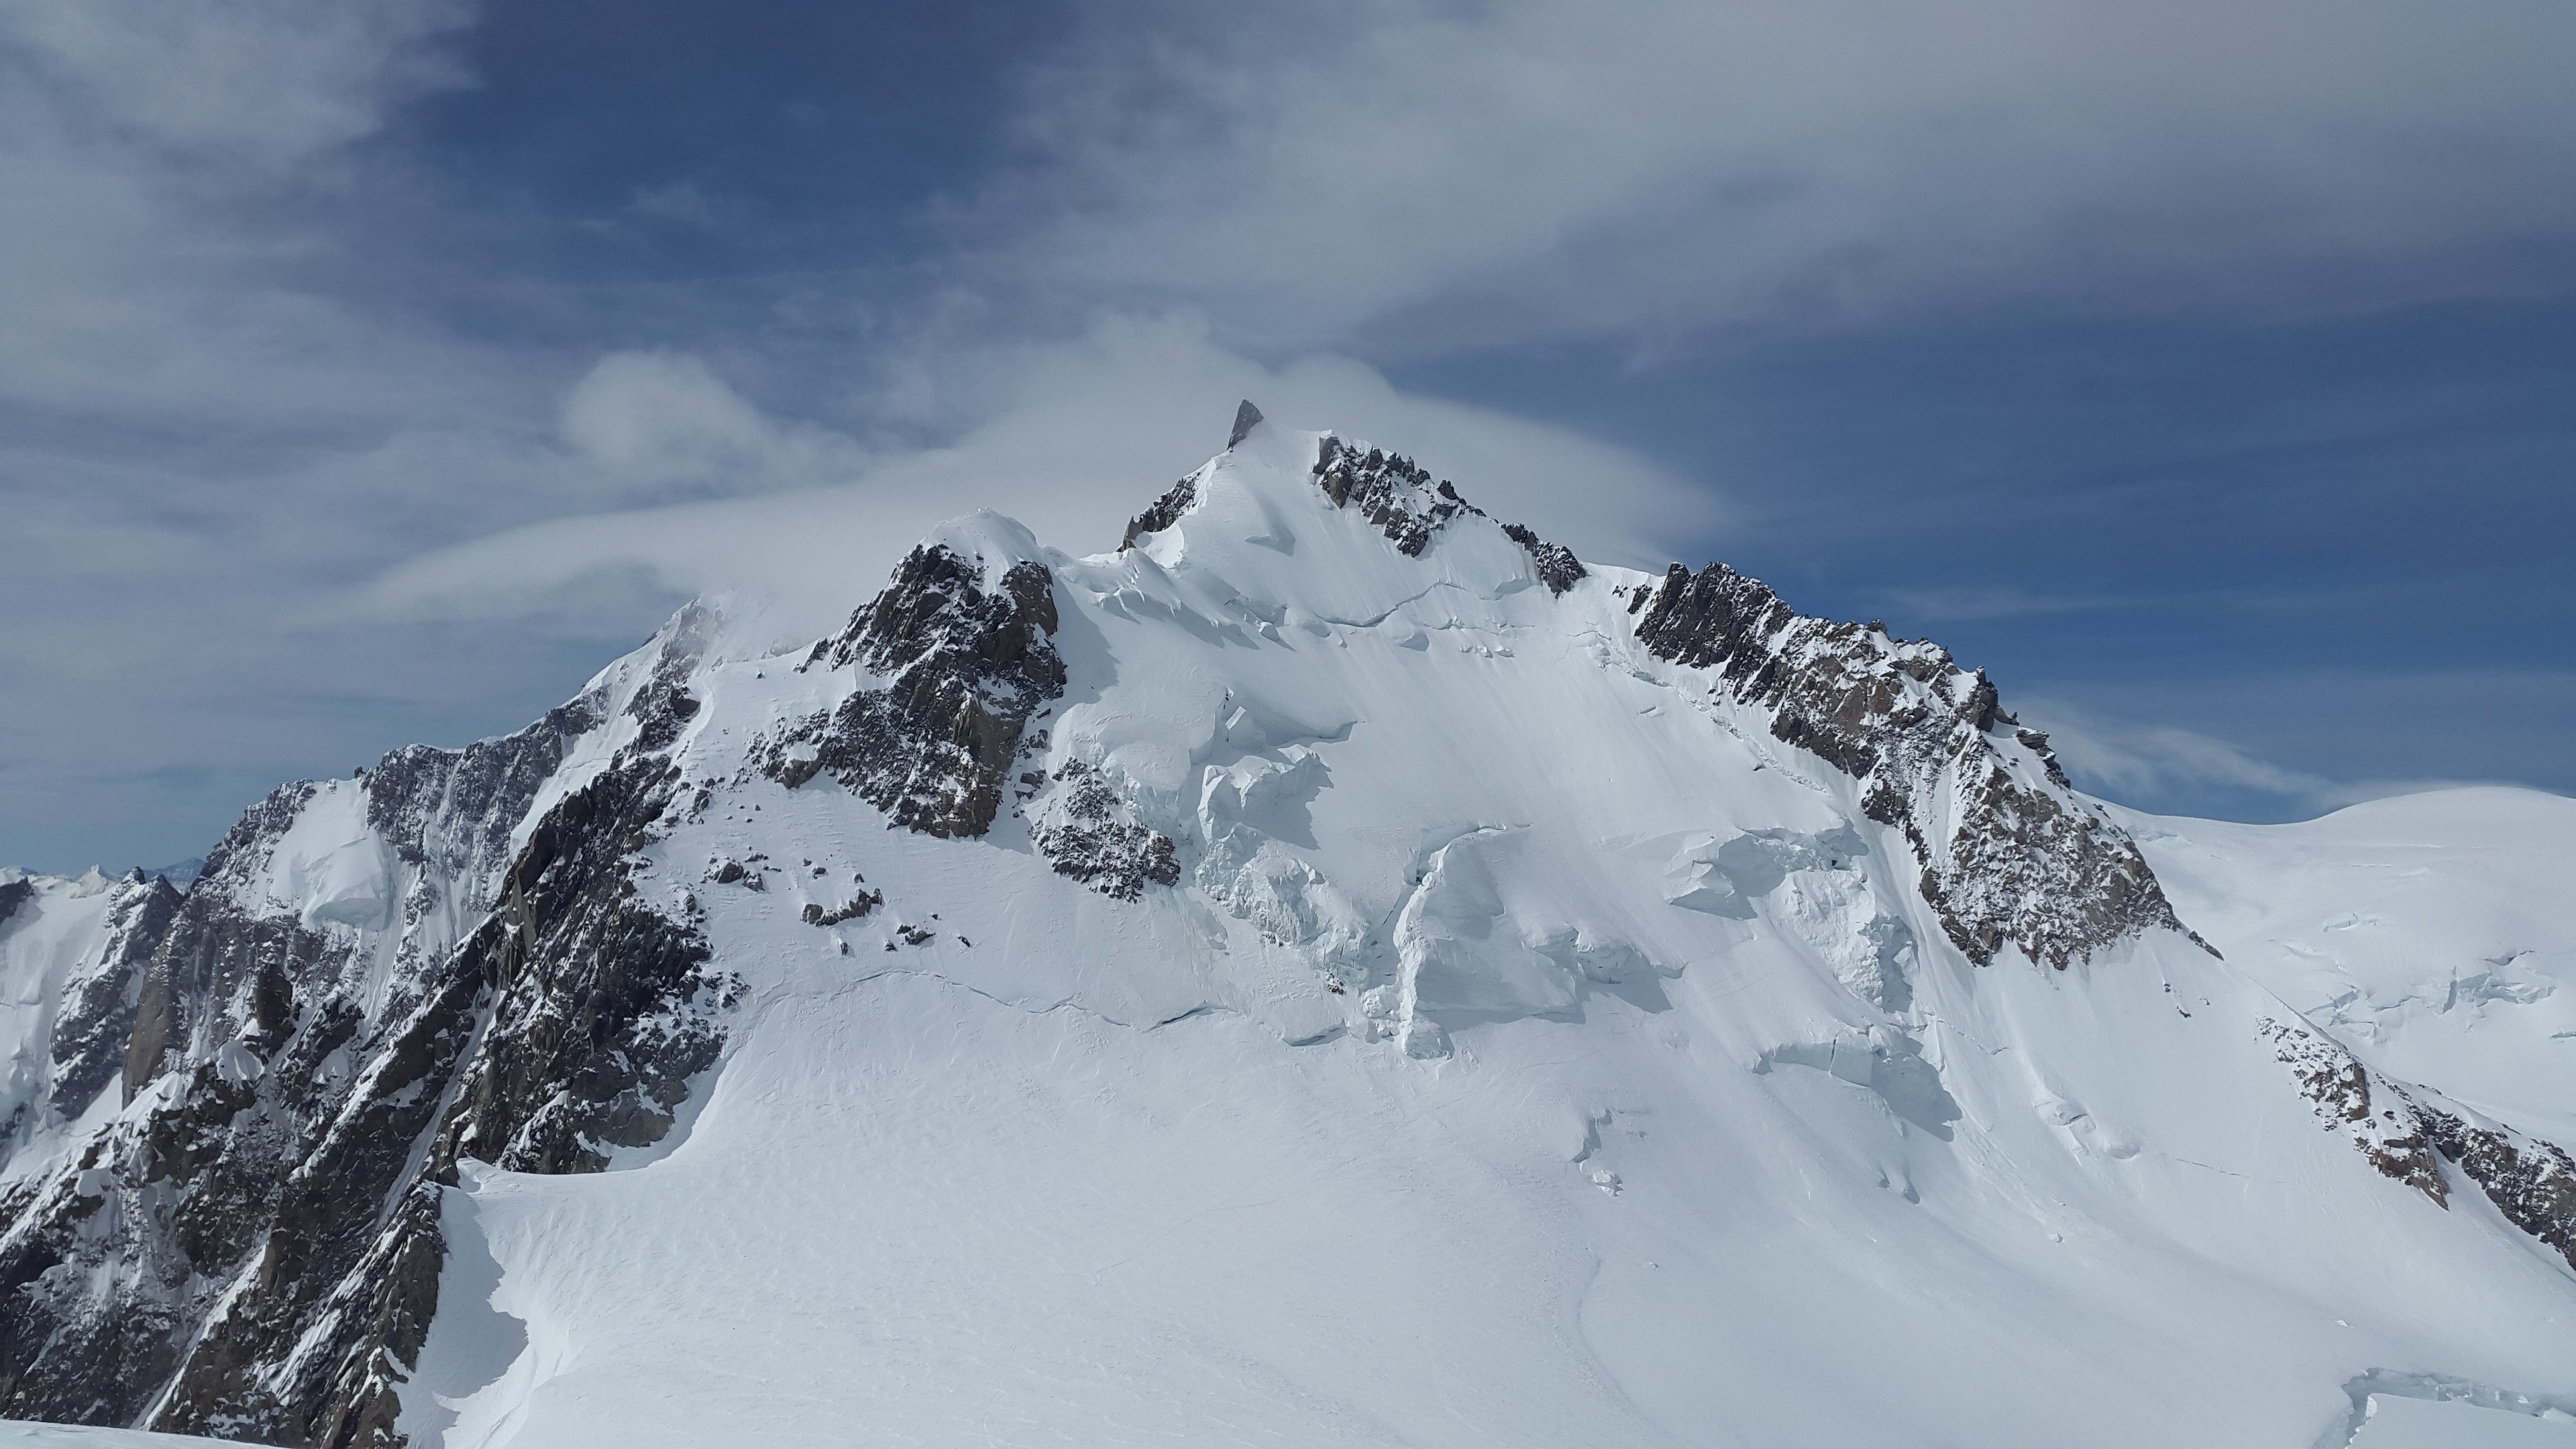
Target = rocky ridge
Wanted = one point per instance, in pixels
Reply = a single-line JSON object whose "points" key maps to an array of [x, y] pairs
{"points": [[250, 1248], [1397, 496], [2408, 1131], [1402, 500], [2006, 858]]}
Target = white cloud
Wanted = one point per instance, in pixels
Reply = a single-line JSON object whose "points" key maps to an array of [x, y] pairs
{"points": [[179, 178], [1072, 438], [2159, 764], [2132, 759], [662, 421], [1525, 169], [248, 83]]}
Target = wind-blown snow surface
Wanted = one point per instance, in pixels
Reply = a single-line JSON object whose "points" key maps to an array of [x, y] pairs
{"points": [[2431, 933], [1532, 1051]]}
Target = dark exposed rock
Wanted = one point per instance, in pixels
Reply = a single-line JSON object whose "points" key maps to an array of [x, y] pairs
{"points": [[252, 1250], [1081, 833], [97, 1020], [1246, 418], [964, 666], [13, 894], [1400, 499], [302, 1216], [662, 706], [2017, 863], [1556, 564], [2533, 1183], [856, 909], [606, 1006], [2388, 1129], [452, 811], [2400, 1129], [175, 1201], [1391, 492], [1167, 510]]}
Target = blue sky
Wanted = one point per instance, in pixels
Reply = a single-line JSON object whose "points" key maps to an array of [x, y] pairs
{"points": [[372, 372]]}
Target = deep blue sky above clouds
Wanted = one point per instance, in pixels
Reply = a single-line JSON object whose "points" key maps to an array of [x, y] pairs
{"points": [[374, 371]]}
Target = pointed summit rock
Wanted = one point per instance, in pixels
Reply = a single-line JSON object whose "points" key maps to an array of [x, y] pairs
{"points": [[1246, 418]]}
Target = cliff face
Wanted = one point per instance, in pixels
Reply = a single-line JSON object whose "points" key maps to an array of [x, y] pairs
{"points": [[446, 958], [257, 1087], [1333, 863], [2009, 853]]}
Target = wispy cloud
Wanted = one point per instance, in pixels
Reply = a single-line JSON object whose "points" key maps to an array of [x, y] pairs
{"points": [[1952, 605], [2176, 769], [1521, 169], [1072, 438]]}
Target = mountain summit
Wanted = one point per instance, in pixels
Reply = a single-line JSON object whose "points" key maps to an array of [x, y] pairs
{"points": [[1338, 969]]}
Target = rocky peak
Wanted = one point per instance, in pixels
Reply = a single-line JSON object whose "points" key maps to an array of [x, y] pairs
{"points": [[1402, 500], [960, 653], [1165, 512], [1246, 418], [251, 1246], [1398, 497], [1391, 491]]}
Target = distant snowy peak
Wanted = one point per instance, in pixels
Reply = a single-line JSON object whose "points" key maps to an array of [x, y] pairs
{"points": [[180, 873], [1397, 496], [2009, 853]]}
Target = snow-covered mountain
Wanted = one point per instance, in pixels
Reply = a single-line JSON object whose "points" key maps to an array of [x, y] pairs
{"points": [[1338, 970]]}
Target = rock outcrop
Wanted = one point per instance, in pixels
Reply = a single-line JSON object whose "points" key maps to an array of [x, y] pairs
{"points": [[1082, 830], [2533, 1183], [2006, 858], [1165, 512], [1401, 500], [957, 664], [2385, 1127], [98, 1005], [2409, 1131]]}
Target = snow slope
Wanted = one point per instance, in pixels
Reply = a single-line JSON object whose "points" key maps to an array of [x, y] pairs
{"points": [[1392, 1004], [2431, 933], [1133, 1173]]}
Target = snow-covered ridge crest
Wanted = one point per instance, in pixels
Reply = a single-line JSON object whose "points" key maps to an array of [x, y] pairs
{"points": [[2008, 852], [1396, 495]]}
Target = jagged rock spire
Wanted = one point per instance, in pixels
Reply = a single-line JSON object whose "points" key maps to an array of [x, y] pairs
{"points": [[1246, 418]]}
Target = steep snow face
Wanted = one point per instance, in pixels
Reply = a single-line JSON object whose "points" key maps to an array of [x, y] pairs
{"points": [[69, 954], [1336, 970]]}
